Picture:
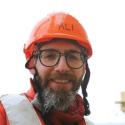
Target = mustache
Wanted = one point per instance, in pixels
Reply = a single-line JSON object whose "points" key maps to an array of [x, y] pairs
{"points": [[63, 76]]}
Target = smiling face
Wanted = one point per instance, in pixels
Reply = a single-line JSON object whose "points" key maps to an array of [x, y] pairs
{"points": [[60, 76], [60, 79]]}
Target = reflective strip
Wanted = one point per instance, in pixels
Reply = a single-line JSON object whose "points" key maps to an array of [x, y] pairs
{"points": [[19, 110]]}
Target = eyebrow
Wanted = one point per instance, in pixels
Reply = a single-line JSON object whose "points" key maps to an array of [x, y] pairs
{"points": [[68, 50]]}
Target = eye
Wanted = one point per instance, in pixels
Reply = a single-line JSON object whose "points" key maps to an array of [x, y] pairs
{"points": [[73, 56], [49, 55]]}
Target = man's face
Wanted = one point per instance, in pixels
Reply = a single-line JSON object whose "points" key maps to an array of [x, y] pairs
{"points": [[60, 79]]}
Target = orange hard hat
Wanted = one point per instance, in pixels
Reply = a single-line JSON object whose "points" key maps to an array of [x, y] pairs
{"points": [[58, 25]]}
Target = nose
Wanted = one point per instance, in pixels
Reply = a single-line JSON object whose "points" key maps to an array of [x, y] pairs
{"points": [[62, 66]]}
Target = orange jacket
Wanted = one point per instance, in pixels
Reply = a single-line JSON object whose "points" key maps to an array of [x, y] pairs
{"points": [[3, 117]]}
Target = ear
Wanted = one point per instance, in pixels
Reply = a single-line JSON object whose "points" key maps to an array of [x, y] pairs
{"points": [[84, 66], [31, 63]]}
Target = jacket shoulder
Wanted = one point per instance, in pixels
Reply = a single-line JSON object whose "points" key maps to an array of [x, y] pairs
{"points": [[3, 120]]}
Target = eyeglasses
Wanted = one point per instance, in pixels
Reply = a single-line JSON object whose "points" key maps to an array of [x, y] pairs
{"points": [[51, 57]]}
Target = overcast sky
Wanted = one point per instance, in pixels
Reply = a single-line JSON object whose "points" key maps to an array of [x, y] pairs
{"points": [[104, 21]]}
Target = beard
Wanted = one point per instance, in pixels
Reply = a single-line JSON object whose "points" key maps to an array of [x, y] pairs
{"points": [[58, 100]]}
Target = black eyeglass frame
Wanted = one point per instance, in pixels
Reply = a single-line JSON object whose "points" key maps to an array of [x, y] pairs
{"points": [[82, 56]]}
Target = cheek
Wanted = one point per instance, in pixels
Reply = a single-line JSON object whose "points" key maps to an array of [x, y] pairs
{"points": [[80, 72], [43, 71]]}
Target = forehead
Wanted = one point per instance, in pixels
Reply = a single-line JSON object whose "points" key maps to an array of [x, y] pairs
{"points": [[61, 44]]}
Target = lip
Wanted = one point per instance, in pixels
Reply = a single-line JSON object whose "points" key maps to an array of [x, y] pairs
{"points": [[61, 81], [60, 84]]}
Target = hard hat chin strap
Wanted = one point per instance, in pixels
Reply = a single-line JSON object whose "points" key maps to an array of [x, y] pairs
{"points": [[84, 92], [36, 85]]}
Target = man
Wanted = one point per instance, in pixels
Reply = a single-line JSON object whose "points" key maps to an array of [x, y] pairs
{"points": [[57, 55]]}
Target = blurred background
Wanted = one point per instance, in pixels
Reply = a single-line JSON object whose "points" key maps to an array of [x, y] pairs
{"points": [[104, 21]]}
